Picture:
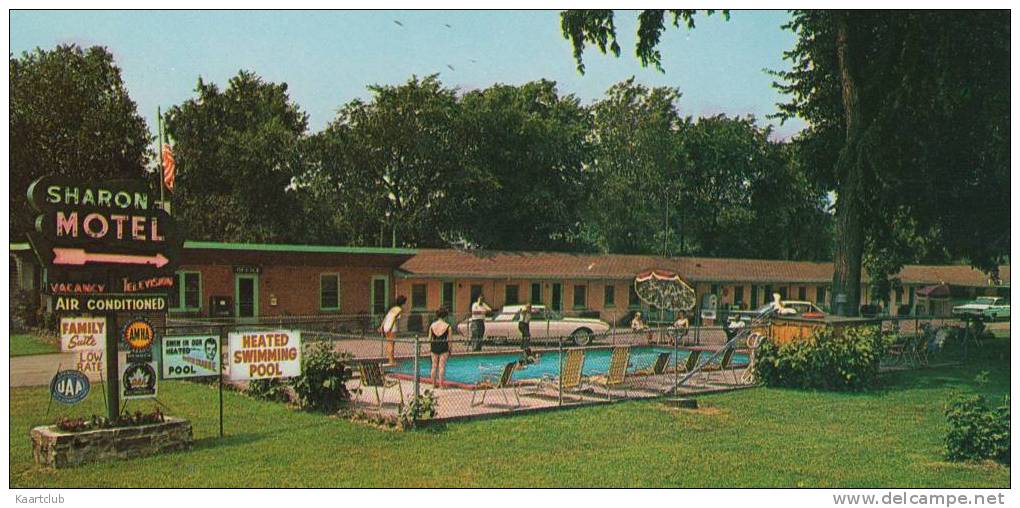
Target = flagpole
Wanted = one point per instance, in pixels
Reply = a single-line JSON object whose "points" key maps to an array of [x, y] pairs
{"points": [[159, 156]]}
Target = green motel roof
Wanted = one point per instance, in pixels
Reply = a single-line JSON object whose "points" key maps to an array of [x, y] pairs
{"points": [[276, 247]]}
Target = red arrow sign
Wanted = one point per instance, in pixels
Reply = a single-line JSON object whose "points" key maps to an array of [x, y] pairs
{"points": [[80, 257]]}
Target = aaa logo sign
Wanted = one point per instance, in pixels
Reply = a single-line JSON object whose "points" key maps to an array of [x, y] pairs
{"points": [[265, 355]]}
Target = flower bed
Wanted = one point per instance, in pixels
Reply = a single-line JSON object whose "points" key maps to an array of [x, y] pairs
{"points": [[57, 448]]}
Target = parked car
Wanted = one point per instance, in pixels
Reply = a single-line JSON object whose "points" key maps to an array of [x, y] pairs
{"points": [[981, 304], [793, 308], [545, 323], [999, 311]]}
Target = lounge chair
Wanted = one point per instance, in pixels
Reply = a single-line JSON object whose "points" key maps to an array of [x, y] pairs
{"points": [[503, 384], [657, 368], [372, 376], [570, 377], [725, 364], [617, 371]]}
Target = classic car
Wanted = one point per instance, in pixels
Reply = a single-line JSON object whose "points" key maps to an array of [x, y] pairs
{"points": [[793, 308], [545, 323], [981, 304], [999, 311]]}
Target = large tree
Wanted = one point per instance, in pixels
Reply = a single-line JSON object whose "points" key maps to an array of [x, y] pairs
{"points": [[238, 152], [909, 118], [391, 168], [528, 147], [70, 114]]}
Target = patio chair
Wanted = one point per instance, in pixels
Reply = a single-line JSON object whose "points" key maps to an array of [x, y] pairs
{"points": [[692, 360], [725, 364], [372, 375], [657, 368], [504, 384], [571, 374], [617, 373]]}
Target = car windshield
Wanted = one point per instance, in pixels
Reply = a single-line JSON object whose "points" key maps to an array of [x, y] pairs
{"points": [[987, 300]]}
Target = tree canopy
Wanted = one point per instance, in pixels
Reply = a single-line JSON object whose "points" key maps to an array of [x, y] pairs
{"points": [[908, 117], [237, 152], [70, 114]]}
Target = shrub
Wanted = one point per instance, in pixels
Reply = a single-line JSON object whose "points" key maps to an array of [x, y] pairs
{"points": [[24, 308], [828, 361], [423, 407], [273, 390], [976, 431], [324, 374]]}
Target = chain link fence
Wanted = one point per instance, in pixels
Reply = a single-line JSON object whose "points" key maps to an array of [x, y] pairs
{"points": [[568, 360]]}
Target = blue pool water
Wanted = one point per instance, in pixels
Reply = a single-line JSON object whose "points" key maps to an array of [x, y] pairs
{"points": [[470, 369]]}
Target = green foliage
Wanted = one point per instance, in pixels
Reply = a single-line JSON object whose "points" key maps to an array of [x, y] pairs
{"points": [[322, 383], [976, 431], [70, 114], [272, 390], [422, 407], [827, 361], [932, 132], [597, 27], [237, 152], [24, 309]]}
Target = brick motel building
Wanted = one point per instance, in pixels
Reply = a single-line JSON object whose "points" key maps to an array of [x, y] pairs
{"points": [[249, 281]]}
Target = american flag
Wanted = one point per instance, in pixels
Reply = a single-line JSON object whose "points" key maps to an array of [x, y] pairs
{"points": [[169, 168]]}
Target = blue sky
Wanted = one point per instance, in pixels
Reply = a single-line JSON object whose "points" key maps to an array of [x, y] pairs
{"points": [[328, 58]]}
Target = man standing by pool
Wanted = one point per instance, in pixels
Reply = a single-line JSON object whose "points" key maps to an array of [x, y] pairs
{"points": [[524, 325], [478, 311]]}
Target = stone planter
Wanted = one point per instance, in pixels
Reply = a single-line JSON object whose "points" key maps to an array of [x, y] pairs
{"points": [[55, 448]]}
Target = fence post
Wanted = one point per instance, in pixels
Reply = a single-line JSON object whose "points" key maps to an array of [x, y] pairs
{"points": [[222, 335], [676, 363], [559, 377], [416, 373]]}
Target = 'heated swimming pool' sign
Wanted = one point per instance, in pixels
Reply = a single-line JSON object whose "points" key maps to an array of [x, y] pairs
{"points": [[264, 354], [105, 225]]}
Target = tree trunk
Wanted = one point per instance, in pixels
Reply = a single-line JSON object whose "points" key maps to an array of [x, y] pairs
{"points": [[849, 234]]}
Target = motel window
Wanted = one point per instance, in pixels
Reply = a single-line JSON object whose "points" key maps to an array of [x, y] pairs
{"points": [[632, 297], [187, 291], [511, 294], [329, 291], [754, 297], [899, 295], [580, 296], [802, 293], [820, 295], [536, 293], [476, 290], [419, 296], [738, 296], [609, 297], [782, 293]]}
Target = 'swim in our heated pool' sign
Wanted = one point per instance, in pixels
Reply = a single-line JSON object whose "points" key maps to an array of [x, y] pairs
{"points": [[191, 356]]}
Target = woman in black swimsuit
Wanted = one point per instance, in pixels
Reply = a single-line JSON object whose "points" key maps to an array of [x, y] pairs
{"points": [[439, 336]]}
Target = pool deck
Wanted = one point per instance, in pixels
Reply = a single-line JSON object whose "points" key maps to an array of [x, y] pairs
{"points": [[456, 403]]}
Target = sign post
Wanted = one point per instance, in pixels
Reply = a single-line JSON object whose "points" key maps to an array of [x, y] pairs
{"points": [[109, 254]]}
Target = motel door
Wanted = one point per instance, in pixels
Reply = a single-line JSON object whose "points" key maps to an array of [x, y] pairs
{"points": [[246, 298], [380, 297], [447, 298]]}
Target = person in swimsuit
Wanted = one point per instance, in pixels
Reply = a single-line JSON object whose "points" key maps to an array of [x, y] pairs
{"points": [[439, 345], [389, 328]]}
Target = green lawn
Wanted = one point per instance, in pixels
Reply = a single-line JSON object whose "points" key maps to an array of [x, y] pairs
{"points": [[26, 344], [760, 438]]}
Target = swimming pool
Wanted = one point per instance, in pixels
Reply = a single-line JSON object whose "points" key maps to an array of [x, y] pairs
{"points": [[470, 369]]}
